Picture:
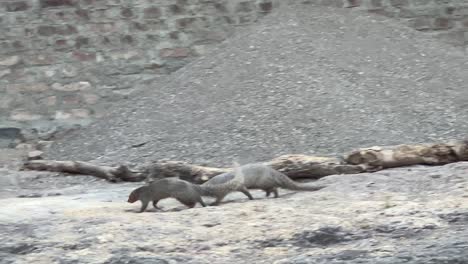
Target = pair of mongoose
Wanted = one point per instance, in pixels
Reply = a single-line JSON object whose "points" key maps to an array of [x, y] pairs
{"points": [[249, 176], [185, 192]]}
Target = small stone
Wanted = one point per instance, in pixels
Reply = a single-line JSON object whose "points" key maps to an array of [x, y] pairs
{"points": [[353, 3], [244, 7], [71, 87], [127, 55], [50, 73], [61, 115], [17, 6], [44, 144], [70, 99], [35, 155], [56, 3], [37, 87], [210, 224], [5, 102], [84, 56], [443, 23], [81, 41], [90, 98], [152, 12], [80, 113], [33, 87], [266, 7], [199, 49], [69, 71], [54, 194], [4, 73], [24, 147], [46, 31], [126, 12], [185, 22], [175, 52], [41, 59], [31, 195], [23, 115], [10, 61], [399, 3], [83, 14], [9, 136], [50, 100]]}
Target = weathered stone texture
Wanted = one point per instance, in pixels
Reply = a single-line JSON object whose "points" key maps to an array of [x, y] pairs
{"points": [[444, 17], [69, 57]]}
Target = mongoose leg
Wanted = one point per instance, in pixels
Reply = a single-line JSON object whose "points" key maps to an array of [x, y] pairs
{"points": [[155, 204], [275, 192], [189, 204], [143, 206], [218, 200], [201, 202], [246, 192]]}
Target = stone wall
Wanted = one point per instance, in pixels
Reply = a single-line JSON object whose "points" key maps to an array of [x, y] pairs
{"points": [[446, 19], [63, 61]]}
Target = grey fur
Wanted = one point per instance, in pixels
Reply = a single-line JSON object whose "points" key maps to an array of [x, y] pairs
{"points": [[183, 191], [219, 190], [187, 193], [260, 176]]}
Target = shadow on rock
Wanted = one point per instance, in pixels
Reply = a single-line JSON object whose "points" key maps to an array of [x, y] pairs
{"points": [[325, 236], [456, 218]]}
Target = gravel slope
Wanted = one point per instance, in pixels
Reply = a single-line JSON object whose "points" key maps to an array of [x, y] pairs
{"points": [[305, 79]]}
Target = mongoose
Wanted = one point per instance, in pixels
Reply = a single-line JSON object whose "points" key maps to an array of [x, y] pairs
{"points": [[183, 191], [219, 190], [187, 193], [260, 176]]}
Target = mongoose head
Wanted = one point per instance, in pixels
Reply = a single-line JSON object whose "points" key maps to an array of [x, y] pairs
{"points": [[134, 196]]}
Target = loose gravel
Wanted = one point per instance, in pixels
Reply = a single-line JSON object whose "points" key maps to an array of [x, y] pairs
{"points": [[305, 79]]}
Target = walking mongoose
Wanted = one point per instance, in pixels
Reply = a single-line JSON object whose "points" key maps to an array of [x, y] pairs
{"points": [[183, 191], [260, 176], [187, 193], [219, 190]]}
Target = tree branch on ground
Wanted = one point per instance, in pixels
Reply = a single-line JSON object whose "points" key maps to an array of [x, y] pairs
{"points": [[377, 158], [112, 174], [295, 166]]}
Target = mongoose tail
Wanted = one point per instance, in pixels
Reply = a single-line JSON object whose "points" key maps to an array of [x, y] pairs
{"points": [[285, 182]]}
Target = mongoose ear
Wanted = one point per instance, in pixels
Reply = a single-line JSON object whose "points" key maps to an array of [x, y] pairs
{"points": [[237, 169], [235, 164]]}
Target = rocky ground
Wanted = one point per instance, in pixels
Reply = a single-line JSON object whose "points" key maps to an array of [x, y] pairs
{"points": [[304, 80], [415, 215]]}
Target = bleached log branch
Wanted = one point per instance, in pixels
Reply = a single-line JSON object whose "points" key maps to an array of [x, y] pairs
{"points": [[377, 158], [295, 166], [112, 174]]}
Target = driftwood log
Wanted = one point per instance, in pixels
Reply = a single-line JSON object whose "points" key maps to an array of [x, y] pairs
{"points": [[112, 174], [312, 167], [295, 166], [377, 158], [182, 170]]}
